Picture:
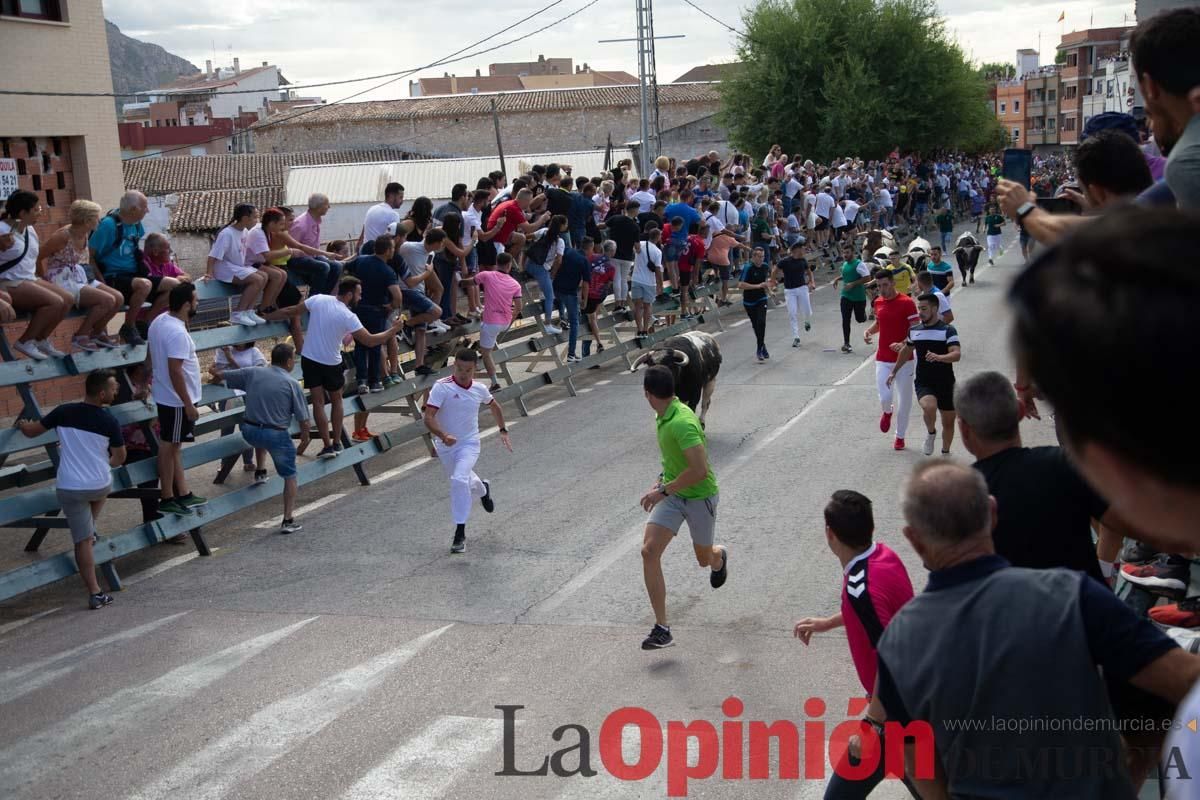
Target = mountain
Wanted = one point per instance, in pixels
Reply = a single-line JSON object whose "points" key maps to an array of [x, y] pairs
{"points": [[137, 66]]}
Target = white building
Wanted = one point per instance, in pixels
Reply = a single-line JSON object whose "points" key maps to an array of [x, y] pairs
{"points": [[256, 87]]}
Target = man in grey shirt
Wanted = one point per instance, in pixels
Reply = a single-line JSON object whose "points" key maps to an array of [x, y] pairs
{"points": [[419, 275], [273, 398]]}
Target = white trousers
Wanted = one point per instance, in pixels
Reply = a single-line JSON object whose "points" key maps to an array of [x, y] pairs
{"points": [[621, 280], [797, 301], [898, 398], [459, 463], [993, 243]]}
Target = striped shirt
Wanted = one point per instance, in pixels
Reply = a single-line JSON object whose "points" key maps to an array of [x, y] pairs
{"points": [[937, 338]]}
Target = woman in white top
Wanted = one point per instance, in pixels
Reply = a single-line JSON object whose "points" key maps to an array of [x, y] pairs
{"points": [[63, 261], [227, 263], [19, 281]]}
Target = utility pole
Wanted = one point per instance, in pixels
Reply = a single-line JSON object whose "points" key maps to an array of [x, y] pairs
{"points": [[499, 147], [648, 80]]}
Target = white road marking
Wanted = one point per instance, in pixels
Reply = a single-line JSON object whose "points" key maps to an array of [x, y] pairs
{"points": [[89, 729], [22, 680], [251, 747], [396, 472], [304, 509], [158, 569], [599, 563], [12, 626], [739, 323], [425, 766], [606, 787]]}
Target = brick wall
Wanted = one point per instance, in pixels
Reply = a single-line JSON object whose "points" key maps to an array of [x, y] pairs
{"points": [[527, 132], [44, 167]]}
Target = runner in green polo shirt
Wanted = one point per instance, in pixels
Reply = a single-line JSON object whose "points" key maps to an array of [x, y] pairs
{"points": [[686, 491]]}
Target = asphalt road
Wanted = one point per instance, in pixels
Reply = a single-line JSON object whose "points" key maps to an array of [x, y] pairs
{"points": [[359, 659]]}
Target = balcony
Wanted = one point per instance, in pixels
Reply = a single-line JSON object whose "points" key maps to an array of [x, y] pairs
{"points": [[1036, 136], [1035, 108]]}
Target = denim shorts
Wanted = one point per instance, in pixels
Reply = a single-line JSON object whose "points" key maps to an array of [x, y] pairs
{"points": [[278, 443], [672, 250], [643, 291]]}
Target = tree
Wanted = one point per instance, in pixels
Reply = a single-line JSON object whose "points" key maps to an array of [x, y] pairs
{"points": [[996, 71], [830, 78]]}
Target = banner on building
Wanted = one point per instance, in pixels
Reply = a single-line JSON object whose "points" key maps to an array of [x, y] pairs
{"points": [[8, 177]]}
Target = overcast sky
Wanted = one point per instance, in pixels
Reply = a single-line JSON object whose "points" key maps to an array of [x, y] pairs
{"points": [[320, 40]]}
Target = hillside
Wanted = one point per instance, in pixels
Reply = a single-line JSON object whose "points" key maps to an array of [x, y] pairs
{"points": [[137, 66]]}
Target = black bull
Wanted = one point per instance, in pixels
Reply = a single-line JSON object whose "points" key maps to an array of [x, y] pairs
{"points": [[694, 359]]}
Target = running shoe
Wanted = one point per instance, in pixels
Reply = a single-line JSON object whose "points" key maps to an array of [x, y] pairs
{"points": [[459, 545], [190, 500], [495, 387], [795, 342], [238, 318], [659, 638], [1136, 552], [260, 476], [758, 355], [290, 526], [716, 577], [885, 422], [847, 348], [363, 387], [553, 330], [930, 441], [362, 435], [133, 338], [327, 452], [1184, 614], [424, 369], [489, 505], [573, 359], [104, 340], [257, 319], [1186, 638], [1167, 576], [30, 349], [898, 444], [99, 600], [338, 449], [765, 354], [807, 326], [85, 343], [173, 506], [376, 387]]}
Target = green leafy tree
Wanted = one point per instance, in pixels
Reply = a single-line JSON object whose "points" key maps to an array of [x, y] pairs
{"points": [[996, 71], [831, 78]]}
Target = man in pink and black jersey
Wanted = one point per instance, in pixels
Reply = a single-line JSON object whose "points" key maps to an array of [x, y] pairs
{"points": [[875, 585]]}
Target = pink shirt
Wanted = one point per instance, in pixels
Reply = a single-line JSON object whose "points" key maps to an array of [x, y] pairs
{"points": [[167, 269], [874, 588], [499, 290], [306, 230]]}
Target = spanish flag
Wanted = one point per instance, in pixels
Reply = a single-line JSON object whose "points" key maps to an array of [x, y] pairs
{"points": [[1062, 16]]}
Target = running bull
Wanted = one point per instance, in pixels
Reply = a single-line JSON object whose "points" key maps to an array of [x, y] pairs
{"points": [[694, 359]]}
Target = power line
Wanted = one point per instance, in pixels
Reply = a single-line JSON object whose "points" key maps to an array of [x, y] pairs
{"points": [[450, 59], [714, 19]]}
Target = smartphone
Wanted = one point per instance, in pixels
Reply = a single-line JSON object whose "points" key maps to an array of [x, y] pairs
{"points": [[429, 261], [1058, 205], [1018, 166]]}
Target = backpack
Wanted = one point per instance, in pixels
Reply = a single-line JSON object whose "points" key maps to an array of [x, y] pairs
{"points": [[538, 250], [139, 258]]}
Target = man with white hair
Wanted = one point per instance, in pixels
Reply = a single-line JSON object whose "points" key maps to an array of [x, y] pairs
{"points": [[319, 272], [117, 256], [953, 653]]}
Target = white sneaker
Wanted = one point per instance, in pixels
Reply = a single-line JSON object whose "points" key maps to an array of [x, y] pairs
{"points": [[573, 359], [49, 349], [437, 326], [30, 349], [930, 440], [257, 319], [242, 318], [553, 329]]}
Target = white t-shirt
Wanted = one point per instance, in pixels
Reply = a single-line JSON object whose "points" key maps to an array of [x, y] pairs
{"points": [[379, 217], [26, 268], [458, 408], [642, 273], [838, 220], [645, 200], [792, 187], [713, 225], [885, 198], [472, 220], [229, 250], [250, 357], [256, 245], [329, 320], [943, 301], [851, 211], [169, 338], [824, 203]]}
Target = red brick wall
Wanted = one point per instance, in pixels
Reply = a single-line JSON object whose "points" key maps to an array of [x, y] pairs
{"points": [[47, 172]]}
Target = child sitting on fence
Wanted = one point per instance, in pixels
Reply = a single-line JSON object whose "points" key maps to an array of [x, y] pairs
{"points": [[227, 263]]}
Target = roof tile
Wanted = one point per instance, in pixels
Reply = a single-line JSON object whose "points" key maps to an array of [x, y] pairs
{"points": [[203, 212]]}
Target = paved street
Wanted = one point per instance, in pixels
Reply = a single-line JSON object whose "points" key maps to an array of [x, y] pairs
{"points": [[359, 659]]}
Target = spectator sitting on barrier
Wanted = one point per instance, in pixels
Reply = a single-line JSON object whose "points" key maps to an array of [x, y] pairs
{"points": [[116, 255], [273, 400], [339, 248], [45, 302], [308, 263], [268, 253], [227, 264], [240, 356], [160, 260], [63, 261], [90, 443]]}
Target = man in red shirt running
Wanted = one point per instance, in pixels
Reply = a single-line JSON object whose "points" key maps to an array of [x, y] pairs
{"points": [[875, 585], [895, 313]]}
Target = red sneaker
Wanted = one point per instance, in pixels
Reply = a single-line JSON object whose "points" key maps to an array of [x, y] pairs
{"points": [[362, 435], [885, 422], [898, 444], [1184, 614]]}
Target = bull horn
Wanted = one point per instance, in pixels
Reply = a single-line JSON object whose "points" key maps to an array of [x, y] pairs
{"points": [[680, 358], [646, 356]]}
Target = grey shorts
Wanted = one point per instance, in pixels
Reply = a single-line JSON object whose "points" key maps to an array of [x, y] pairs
{"points": [[76, 506], [700, 515], [643, 292]]}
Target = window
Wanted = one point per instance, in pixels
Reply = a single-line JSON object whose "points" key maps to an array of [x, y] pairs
{"points": [[1050, 124], [1072, 59], [1051, 95], [34, 9], [1016, 106], [1003, 107], [1099, 85], [1016, 134], [1108, 89], [1070, 92], [1068, 124]]}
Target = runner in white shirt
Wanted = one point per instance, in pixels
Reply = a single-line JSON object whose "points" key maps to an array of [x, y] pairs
{"points": [[452, 417]]}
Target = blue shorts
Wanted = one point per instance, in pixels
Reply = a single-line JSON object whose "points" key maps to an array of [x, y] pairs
{"points": [[672, 250], [643, 292], [278, 443], [416, 302]]}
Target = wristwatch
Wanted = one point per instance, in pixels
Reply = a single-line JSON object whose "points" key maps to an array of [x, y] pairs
{"points": [[504, 430], [1024, 209], [662, 487]]}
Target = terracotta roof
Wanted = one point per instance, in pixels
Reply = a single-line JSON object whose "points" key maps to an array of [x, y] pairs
{"points": [[465, 105], [157, 176], [482, 83], [204, 212], [617, 78], [705, 73], [199, 81]]}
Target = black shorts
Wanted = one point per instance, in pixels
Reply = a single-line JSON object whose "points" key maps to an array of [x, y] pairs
{"points": [[822, 224], [593, 305], [685, 279], [174, 425], [943, 391], [324, 376], [123, 283]]}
